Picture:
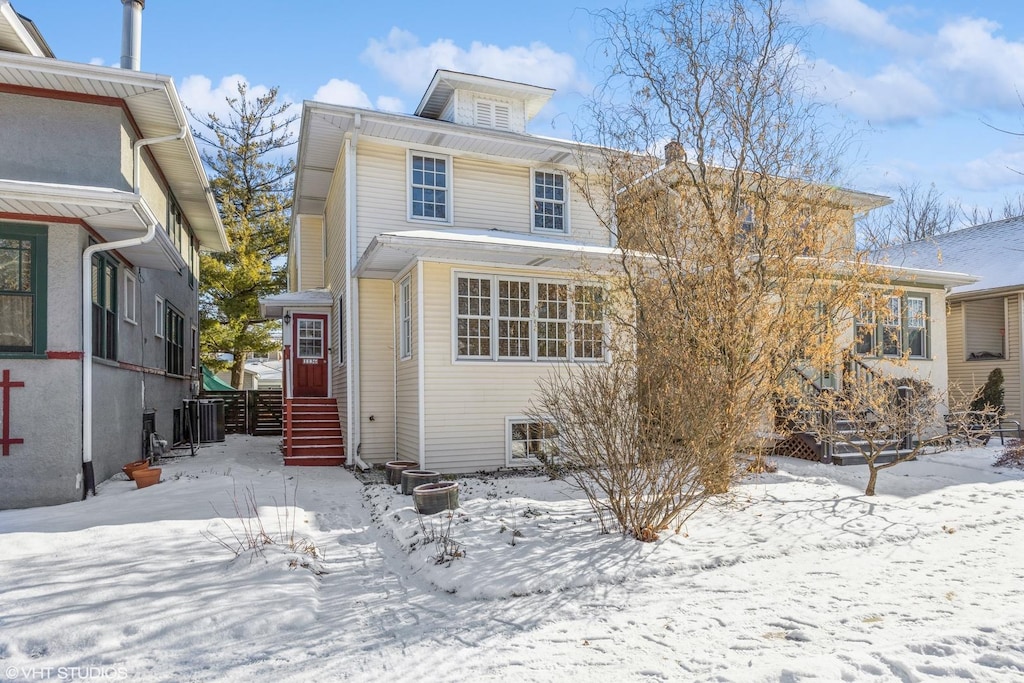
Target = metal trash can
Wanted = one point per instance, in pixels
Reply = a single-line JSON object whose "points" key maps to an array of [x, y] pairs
{"points": [[211, 420]]}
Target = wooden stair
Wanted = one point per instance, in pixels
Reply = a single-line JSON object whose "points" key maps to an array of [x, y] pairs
{"points": [[316, 438]]}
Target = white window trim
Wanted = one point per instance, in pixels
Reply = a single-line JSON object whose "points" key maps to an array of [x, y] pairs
{"points": [[450, 180], [131, 294], [533, 358], [161, 317], [529, 461], [405, 318], [566, 218]]}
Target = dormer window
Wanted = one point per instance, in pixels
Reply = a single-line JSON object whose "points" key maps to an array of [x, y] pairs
{"points": [[549, 206], [491, 114]]}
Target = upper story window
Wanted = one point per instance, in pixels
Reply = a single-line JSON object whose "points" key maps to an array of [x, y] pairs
{"points": [[22, 289], [491, 114], [129, 296], [549, 205], [429, 187]]}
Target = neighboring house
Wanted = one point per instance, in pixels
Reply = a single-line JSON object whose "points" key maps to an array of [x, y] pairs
{"points": [[985, 322], [104, 206], [434, 271], [256, 374]]}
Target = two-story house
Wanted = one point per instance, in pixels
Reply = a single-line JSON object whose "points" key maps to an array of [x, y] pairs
{"points": [[435, 278], [104, 206]]}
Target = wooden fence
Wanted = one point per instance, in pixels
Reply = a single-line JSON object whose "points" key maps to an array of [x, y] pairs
{"points": [[256, 411]]}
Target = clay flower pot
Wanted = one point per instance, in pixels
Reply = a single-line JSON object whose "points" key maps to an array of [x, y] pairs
{"points": [[147, 477], [394, 469], [433, 498], [131, 468]]}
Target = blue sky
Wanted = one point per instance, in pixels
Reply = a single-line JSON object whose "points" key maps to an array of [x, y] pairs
{"points": [[917, 81]]}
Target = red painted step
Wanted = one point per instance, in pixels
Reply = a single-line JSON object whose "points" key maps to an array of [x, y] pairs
{"points": [[316, 439]]}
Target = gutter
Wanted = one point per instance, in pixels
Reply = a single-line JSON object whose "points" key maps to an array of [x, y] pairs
{"points": [[147, 217]]}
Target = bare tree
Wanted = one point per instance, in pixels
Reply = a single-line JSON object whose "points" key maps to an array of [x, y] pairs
{"points": [[915, 214], [737, 252], [1012, 207], [890, 421]]}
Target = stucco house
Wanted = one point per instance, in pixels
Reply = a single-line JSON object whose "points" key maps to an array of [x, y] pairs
{"points": [[985, 324], [104, 206], [434, 279]]}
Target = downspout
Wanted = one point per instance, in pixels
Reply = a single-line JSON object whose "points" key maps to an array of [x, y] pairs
{"points": [[352, 298], [421, 346], [395, 312], [88, 475]]}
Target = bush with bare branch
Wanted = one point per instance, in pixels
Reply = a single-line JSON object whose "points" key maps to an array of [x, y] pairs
{"points": [[620, 443], [889, 421]]}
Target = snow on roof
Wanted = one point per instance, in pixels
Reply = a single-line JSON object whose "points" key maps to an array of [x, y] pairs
{"points": [[994, 252]]}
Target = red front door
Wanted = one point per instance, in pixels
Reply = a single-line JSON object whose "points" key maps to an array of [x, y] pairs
{"points": [[309, 341]]}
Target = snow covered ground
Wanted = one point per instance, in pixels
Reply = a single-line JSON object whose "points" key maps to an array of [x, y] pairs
{"points": [[794, 576]]}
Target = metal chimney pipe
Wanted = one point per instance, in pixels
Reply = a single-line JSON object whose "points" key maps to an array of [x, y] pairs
{"points": [[131, 33]]}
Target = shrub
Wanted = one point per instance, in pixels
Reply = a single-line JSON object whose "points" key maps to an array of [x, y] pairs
{"points": [[1012, 455], [990, 396]]}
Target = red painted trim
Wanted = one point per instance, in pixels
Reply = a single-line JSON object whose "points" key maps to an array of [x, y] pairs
{"points": [[64, 355], [5, 429], [86, 98], [33, 218]]}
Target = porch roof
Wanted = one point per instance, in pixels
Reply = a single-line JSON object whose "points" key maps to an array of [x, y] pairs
{"points": [[112, 214], [390, 252], [275, 305]]}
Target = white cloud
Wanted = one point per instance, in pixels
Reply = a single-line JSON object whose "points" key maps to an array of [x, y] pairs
{"points": [[891, 94], [198, 94], [997, 170], [202, 97], [345, 92], [96, 61], [980, 66], [403, 60], [856, 19], [393, 104], [964, 63]]}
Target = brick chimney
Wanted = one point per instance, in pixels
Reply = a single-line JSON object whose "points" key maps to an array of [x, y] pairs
{"points": [[674, 152]]}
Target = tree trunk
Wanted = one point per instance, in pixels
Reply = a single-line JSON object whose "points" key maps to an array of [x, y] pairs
{"points": [[237, 371], [872, 479]]}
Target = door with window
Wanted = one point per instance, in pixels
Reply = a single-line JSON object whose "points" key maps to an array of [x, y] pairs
{"points": [[309, 343]]}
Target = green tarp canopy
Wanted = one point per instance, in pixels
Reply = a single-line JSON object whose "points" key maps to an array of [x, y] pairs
{"points": [[211, 383]]}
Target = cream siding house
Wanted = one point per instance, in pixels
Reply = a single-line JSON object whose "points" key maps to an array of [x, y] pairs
{"points": [[451, 245], [415, 235]]}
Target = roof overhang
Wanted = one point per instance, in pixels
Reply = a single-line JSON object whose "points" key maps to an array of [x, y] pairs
{"points": [[444, 84], [325, 126], [19, 34], [154, 105], [112, 214], [390, 253], [276, 305], [925, 276]]}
